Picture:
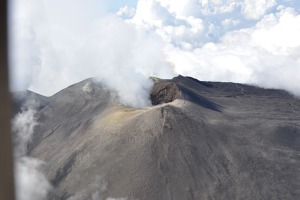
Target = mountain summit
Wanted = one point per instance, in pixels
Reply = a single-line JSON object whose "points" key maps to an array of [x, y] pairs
{"points": [[199, 140]]}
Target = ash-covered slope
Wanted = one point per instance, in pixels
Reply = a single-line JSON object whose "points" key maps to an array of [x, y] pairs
{"points": [[27, 97], [201, 140]]}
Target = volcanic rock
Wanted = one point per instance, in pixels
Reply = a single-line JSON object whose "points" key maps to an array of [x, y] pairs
{"points": [[164, 92], [199, 140]]}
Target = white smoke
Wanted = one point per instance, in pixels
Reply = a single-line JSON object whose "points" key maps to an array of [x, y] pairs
{"points": [[65, 41], [62, 42], [31, 183], [23, 126]]}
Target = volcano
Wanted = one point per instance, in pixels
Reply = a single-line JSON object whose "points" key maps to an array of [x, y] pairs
{"points": [[199, 140]]}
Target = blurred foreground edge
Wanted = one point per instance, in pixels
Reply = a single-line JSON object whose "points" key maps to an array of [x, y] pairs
{"points": [[6, 161]]}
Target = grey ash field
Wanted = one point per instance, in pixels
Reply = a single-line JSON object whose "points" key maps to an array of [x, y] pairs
{"points": [[200, 140]]}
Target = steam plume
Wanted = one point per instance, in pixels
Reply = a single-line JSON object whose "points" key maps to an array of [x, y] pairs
{"points": [[62, 42], [31, 184]]}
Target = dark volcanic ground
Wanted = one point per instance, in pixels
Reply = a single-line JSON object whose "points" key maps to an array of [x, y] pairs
{"points": [[200, 140]]}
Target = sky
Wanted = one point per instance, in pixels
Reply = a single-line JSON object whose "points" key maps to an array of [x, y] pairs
{"points": [[115, 5], [57, 43]]}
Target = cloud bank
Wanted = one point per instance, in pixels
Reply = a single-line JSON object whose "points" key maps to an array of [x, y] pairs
{"points": [[57, 43], [254, 42]]}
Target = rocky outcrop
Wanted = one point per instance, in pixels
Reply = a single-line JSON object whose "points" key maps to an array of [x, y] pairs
{"points": [[164, 92]]}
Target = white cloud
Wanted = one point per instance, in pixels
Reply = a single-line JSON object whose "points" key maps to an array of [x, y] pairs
{"points": [[220, 40], [174, 28], [210, 7], [230, 22], [256, 9], [236, 48], [279, 33], [189, 24], [126, 12], [67, 46], [266, 54]]}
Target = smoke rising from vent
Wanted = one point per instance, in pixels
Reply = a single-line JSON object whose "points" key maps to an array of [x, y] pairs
{"points": [[63, 42], [31, 183], [23, 126]]}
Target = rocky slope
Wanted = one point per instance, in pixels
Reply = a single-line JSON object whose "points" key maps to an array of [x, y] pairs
{"points": [[199, 140]]}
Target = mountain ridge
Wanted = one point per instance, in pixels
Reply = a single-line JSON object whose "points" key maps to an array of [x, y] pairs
{"points": [[209, 141]]}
